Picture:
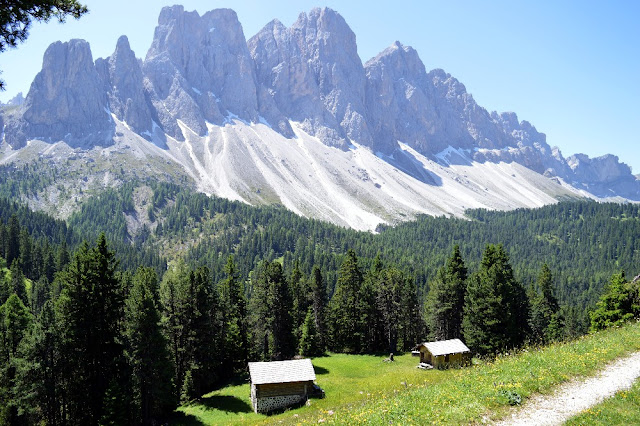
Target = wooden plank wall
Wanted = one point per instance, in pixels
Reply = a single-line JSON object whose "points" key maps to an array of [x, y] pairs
{"points": [[281, 389]]}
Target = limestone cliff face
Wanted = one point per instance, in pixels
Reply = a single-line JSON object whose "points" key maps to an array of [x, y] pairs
{"points": [[313, 74], [406, 104], [66, 100], [201, 71], [124, 85]]}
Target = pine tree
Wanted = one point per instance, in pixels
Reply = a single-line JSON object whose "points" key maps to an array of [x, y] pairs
{"points": [[234, 308], [546, 319], [39, 294], [146, 350], [260, 313], [187, 390], [388, 301], [271, 305], [496, 309], [300, 294], [192, 325], [175, 301], [374, 331], [48, 263], [281, 306], [17, 284], [413, 325], [63, 258], [41, 376], [90, 309], [319, 302], [12, 250], [309, 340], [204, 338], [445, 302], [346, 333], [26, 254], [615, 305], [15, 323]]}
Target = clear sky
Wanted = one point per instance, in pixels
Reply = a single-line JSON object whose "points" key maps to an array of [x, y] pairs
{"points": [[571, 68]]}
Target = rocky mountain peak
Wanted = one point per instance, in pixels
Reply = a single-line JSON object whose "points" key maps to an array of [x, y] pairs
{"points": [[312, 74], [124, 84], [199, 69], [17, 100], [404, 58], [66, 100]]}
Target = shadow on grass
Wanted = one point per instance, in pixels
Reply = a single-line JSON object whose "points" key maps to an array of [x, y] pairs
{"points": [[320, 370], [226, 403], [239, 380], [183, 419]]}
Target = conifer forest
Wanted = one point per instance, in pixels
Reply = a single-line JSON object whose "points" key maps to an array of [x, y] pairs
{"points": [[100, 324]]}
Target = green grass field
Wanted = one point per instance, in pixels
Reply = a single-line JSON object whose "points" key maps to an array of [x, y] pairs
{"points": [[623, 408], [363, 389], [348, 380]]}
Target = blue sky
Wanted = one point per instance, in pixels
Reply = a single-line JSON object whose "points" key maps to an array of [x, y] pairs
{"points": [[571, 68]]}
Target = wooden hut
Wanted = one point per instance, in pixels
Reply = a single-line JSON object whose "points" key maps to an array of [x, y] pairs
{"points": [[444, 354], [279, 384]]}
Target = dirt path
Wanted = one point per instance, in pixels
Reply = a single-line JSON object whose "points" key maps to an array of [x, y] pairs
{"points": [[577, 395]]}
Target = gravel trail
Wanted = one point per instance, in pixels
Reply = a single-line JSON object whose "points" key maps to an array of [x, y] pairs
{"points": [[577, 395]]}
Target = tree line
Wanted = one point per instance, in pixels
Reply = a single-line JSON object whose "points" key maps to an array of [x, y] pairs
{"points": [[583, 242]]}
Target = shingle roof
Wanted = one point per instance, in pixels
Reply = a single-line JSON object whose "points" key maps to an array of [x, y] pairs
{"points": [[298, 370], [445, 347]]}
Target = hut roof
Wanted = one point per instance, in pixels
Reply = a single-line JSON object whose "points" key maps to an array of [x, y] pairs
{"points": [[446, 347], [299, 370]]}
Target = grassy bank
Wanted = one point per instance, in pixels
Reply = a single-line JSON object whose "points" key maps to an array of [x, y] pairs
{"points": [[622, 408], [363, 389]]}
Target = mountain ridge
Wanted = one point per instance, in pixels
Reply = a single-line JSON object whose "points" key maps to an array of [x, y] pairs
{"points": [[202, 80]]}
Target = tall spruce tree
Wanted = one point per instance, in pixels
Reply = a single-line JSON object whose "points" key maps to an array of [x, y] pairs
{"points": [[301, 300], [15, 323], [192, 325], [389, 304], [270, 306], [234, 308], [318, 288], [259, 319], [26, 254], [12, 250], [281, 306], [496, 308], [90, 309], [413, 325], [374, 329], [615, 305], [154, 395], [445, 302], [346, 332], [546, 319], [205, 340], [40, 377], [17, 285], [174, 297], [309, 340]]}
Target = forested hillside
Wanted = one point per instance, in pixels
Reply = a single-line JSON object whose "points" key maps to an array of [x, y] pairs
{"points": [[582, 242], [247, 283]]}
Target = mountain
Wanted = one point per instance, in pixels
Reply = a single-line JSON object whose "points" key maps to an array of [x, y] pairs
{"points": [[291, 116]]}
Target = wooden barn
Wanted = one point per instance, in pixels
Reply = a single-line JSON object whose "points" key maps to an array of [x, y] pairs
{"points": [[444, 354], [279, 384]]}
